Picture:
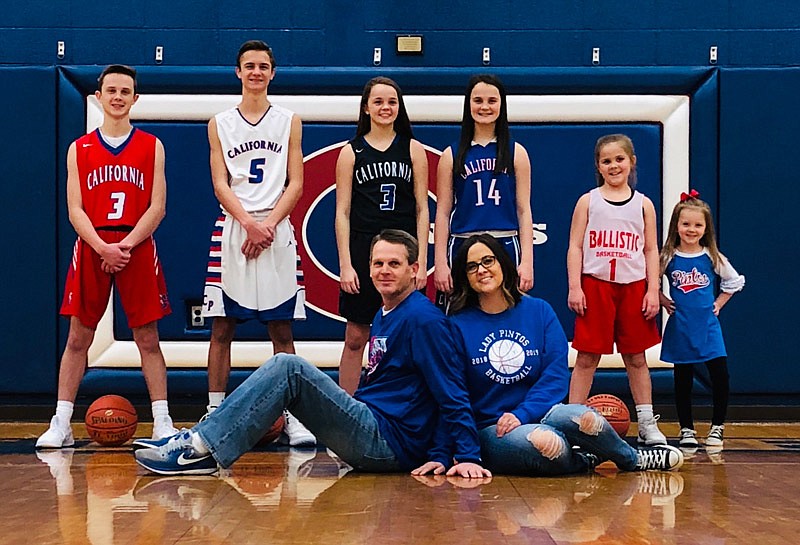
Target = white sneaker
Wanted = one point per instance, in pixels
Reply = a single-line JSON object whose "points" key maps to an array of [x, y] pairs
{"points": [[688, 438], [714, 438], [298, 434], [57, 435], [649, 434], [163, 428], [209, 409]]}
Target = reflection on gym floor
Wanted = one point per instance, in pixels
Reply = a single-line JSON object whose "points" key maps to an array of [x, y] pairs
{"points": [[100, 496]]}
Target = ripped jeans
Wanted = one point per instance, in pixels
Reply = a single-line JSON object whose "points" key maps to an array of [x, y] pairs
{"points": [[514, 454]]}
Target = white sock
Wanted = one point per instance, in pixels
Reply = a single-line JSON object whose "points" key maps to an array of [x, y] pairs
{"points": [[160, 408], [215, 399], [644, 413], [64, 411], [198, 444]]}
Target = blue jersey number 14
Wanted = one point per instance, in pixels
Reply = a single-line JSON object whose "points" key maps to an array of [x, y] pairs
{"points": [[493, 194]]}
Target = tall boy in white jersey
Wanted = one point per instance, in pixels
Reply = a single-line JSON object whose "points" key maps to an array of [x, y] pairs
{"points": [[257, 173]]}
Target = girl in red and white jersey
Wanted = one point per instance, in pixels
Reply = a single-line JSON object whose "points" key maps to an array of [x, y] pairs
{"points": [[613, 269]]}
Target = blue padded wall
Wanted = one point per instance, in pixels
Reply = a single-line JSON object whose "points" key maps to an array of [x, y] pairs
{"points": [[759, 202], [28, 193], [742, 141]]}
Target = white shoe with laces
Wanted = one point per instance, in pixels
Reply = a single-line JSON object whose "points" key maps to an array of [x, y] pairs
{"points": [[163, 428], [649, 434], [658, 458], [209, 409], [298, 434], [688, 438], [714, 438], [57, 435]]}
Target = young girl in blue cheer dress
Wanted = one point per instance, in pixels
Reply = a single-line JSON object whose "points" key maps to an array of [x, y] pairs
{"points": [[692, 263]]}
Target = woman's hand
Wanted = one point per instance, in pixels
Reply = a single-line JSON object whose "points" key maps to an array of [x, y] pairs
{"points": [[506, 423]]}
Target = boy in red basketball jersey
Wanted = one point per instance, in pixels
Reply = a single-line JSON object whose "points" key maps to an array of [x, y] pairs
{"points": [[116, 197]]}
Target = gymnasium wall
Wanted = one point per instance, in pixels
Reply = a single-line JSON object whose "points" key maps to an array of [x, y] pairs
{"points": [[742, 140]]}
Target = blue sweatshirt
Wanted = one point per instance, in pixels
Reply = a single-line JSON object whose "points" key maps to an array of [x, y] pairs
{"points": [[414, 375], [516, 361]]}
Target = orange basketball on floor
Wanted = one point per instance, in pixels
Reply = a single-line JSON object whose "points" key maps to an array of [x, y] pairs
{"points": [[111, 420], [612, 409], [272, 433]]}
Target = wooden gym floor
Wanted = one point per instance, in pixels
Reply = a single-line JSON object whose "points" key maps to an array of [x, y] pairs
{"points": [[746, 495]]}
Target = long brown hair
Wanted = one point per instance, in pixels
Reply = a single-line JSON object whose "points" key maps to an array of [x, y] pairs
{"points": [[673, 239], [402, 124], [505, 155], [463, 294]]}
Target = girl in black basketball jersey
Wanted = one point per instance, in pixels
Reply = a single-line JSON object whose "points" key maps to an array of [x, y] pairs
{"points": [[381, 183]]}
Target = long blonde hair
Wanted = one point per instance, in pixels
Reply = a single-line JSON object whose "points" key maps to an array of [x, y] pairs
{"points": [[673, 240]]}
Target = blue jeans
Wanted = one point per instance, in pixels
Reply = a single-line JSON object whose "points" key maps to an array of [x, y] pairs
{"points": [[515, 454], [606, 445], [285, 381]]}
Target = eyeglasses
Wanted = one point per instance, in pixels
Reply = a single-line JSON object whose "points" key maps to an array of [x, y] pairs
{"points": [[487, 261]]}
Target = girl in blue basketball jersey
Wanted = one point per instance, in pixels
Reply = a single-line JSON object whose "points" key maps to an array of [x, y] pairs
{"points": [[484, 185], [515, 367], [381, 183], [692, 263]]}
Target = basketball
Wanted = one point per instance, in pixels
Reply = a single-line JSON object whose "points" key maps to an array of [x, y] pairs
{"points": [[111, 420], [612, 409], [506, 356], [273, 433]]}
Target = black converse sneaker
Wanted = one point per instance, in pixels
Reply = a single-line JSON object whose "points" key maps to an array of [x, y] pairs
{"points": [[659, 458], [688, 438]]}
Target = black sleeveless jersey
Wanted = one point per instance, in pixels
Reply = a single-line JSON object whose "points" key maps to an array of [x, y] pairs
{"points": [[383, 188]]}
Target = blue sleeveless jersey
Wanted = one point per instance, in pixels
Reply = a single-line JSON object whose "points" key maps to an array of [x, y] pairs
{"points": [[483, 200]]}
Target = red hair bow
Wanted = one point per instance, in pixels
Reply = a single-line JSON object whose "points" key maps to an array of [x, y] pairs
{"points": [[693, 194]]}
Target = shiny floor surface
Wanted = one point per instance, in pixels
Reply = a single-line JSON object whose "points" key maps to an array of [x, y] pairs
{"points": [[747, 495]]}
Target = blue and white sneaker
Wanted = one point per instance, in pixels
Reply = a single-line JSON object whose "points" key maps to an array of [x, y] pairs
{"points": [[151, 443], [154, 443], [176, 457]]}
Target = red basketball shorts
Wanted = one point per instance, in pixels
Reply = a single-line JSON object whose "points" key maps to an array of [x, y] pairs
{"points": [[141, 285], [614, 315]]}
